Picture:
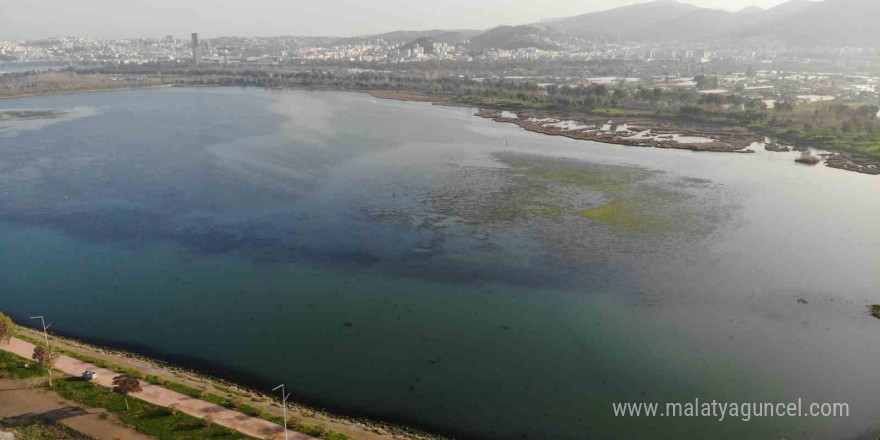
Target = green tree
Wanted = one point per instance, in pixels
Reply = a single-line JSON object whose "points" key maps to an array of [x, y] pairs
{"points": [[125, 384], [7, 329]]}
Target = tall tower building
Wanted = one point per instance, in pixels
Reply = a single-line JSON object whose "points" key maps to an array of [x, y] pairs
{"points": [[195, 43]]}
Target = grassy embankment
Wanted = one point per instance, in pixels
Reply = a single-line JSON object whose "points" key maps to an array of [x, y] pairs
{"points": [[234, 404], [150, 419], [875, 310], [14, 367]]}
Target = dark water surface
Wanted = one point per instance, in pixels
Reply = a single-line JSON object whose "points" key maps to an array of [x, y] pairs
{"points": [[415, 263]]}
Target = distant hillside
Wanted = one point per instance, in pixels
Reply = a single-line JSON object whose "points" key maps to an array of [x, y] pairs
{"points": [[456, 37], [695, 25], [801, 23], [624, 22], [515, 37], [798, 23], [835, 23], [396, 37]]}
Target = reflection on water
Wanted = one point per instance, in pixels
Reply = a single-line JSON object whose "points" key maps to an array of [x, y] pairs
{"points": [[497, 283]]}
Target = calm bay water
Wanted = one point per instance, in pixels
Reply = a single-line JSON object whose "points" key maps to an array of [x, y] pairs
{"points": [[415, 263]]}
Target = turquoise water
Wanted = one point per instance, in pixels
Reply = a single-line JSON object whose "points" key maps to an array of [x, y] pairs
{"points": [[395, 260]]}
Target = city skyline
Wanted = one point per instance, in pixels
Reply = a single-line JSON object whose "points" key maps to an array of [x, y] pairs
{"points": [[141, 19]]}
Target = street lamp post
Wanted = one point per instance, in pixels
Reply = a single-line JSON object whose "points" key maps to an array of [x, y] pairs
{"points": [[46, 335], [283, 407]]}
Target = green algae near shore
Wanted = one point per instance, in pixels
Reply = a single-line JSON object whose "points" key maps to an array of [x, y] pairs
{"points": [[615, 214], [621, 198]]}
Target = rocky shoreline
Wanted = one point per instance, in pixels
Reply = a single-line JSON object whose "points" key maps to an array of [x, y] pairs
{"points": [[852, 162], [355, 428]]}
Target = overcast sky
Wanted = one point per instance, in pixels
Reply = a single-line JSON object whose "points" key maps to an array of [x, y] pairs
{"points": [[29, 19]]}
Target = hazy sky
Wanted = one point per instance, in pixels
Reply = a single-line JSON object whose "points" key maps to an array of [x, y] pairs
{"points": [[213, 18]]}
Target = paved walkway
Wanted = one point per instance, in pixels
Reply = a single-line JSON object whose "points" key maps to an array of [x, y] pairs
{"points": [[252, 426], [20, 404]]}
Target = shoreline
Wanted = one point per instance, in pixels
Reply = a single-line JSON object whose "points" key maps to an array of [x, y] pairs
{"points": [[357, 428], [71, 92], [726, 139]]}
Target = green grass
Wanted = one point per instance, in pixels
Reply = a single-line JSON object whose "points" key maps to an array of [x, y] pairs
{"points": [[875, 310], [14, 366], [183, 389], [479, 100], [218, 400], [150, 419], [247, 409], [854, 142]]}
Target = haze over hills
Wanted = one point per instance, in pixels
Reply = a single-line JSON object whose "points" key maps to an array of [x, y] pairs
{"points": [[518, 37], [798, 23], [406, 37]]}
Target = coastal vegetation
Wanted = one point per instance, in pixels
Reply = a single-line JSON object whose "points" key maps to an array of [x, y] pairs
{"points": [[153, 420], [875, 310], [162, 423], [125, 385], [7, 329], [15, 367], [45, 356], [842, 126]]}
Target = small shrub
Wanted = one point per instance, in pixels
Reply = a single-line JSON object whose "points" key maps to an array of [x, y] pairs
{"points": [[312, 430], [183, 389], [333, 435], [249, 410]]}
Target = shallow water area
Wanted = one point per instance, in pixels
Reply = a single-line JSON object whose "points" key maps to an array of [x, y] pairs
{"points": [[415, 263]]}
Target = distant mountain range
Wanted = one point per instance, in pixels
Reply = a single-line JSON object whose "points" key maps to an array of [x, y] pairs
{"points": [[406, 37], [798, 23]]}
